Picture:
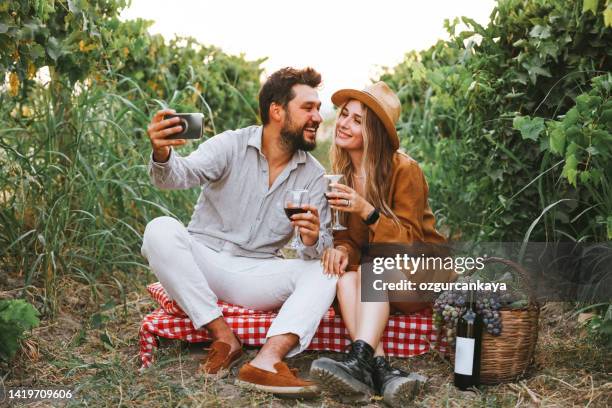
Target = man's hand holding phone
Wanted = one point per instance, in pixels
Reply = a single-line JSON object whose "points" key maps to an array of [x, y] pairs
{"points": [[159, 129]]}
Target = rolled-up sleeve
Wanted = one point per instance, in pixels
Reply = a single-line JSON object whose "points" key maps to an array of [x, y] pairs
{"points": [[317, 198], [409, 203], [207, 163]]}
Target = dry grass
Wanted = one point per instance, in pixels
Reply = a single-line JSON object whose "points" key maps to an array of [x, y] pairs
{"points": [[98, 357]]}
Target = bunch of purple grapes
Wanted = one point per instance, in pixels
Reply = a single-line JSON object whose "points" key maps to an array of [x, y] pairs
{"points": [[447, 309], [449, 306], [488, 307]]}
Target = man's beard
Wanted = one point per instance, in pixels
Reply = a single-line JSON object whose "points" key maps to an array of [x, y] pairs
{"points": [[292, 137]]}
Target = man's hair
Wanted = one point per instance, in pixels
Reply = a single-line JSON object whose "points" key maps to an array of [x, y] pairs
{"points": [[278, 88]]}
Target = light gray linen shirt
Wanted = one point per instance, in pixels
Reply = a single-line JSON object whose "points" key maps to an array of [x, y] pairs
{"points": [[237, 211]]}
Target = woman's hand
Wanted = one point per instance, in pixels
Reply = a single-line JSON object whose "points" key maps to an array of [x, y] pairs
{"points": [[346, 199], [335, 261]]}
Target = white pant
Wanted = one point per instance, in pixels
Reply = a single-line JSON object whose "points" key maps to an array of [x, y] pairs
{"points": [[195, 276]]}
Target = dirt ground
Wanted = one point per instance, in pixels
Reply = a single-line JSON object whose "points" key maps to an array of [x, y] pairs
{"points": [[95, 353]]}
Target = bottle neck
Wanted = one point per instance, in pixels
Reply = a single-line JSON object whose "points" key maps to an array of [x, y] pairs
{"points": [[470, 301], [470, 312]]}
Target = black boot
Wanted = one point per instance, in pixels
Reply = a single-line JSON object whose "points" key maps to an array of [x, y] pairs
{"points": [[396, 386], [350, 380]]}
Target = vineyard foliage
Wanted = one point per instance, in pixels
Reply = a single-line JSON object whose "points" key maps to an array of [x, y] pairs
{"points": [[512, 121], [81, 87]]}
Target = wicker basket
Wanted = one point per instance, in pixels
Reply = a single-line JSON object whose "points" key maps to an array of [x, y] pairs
{"points": [[506, 357]]}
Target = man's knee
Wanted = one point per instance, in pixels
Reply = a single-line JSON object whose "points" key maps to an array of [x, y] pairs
{"points": [[157, 233], [312, 276], [326, 284]]}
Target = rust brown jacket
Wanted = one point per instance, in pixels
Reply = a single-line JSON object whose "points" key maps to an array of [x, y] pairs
{"points": [[408, 199]]}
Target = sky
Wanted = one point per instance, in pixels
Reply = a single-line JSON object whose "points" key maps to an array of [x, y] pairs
{"points": [[348, 42]]}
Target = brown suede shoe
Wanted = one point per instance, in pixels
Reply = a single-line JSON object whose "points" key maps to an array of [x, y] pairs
{"points": [[219, 360], [284, 382]]}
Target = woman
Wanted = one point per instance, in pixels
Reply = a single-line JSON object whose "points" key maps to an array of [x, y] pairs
{"points": [[384, 201]]}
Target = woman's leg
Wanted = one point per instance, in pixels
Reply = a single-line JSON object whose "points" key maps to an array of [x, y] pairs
{"points": [[372, 318], [350, 377], [348, 297]]}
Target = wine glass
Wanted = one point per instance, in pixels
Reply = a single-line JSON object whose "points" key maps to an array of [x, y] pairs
{"points": [[292, 203], [334, 178]]}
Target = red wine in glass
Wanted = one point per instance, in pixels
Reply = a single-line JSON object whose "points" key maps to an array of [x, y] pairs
{"points": [[292, 211], [293, 202]]}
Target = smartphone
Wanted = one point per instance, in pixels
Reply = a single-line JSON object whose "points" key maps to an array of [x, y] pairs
{"points": [[192, 124]]}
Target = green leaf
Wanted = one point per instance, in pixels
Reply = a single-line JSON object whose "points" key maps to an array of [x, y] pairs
{"points": [[570, 169], [534, 68], [54, 48], [539, 71], [74, 6], [571, 117], [520, 43], [16, 316], [557, 140], [585, 176], [572, 148], [573, 133], [19, 312], [108, 305], [586, 103], [471, 22], [608, 16], [37, 51], [550, 48], [590, 5], [529, 128], [513, 95], [9, 341], [98, 320], [3, 28], [592, 150], [539, 31]]}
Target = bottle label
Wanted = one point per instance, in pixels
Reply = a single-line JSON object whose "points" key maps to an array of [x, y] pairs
{"points": [[464, 356]]}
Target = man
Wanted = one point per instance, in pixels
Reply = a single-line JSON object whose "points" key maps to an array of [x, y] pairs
{"points": [[230, 249]]}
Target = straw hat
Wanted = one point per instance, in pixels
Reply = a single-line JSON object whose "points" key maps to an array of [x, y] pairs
{"points": [[381, 99]]}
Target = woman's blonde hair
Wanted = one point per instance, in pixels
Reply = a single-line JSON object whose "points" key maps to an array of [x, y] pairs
{"points": [[378, 162]]}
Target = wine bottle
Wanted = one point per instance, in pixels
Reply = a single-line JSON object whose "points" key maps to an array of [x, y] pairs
{"points": [[468, 345]]}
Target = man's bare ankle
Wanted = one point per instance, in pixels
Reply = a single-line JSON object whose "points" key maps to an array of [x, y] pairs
{"points": [[229, 339], [264, 363]]}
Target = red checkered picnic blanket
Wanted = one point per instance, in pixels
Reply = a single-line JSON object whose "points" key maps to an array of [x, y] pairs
{"points": [[405, 335]]}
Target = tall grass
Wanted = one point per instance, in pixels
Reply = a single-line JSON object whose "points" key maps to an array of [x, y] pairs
{"points": [[74, 189]]}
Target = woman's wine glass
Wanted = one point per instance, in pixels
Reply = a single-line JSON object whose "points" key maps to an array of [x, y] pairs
{"points": [[334, 178]]}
